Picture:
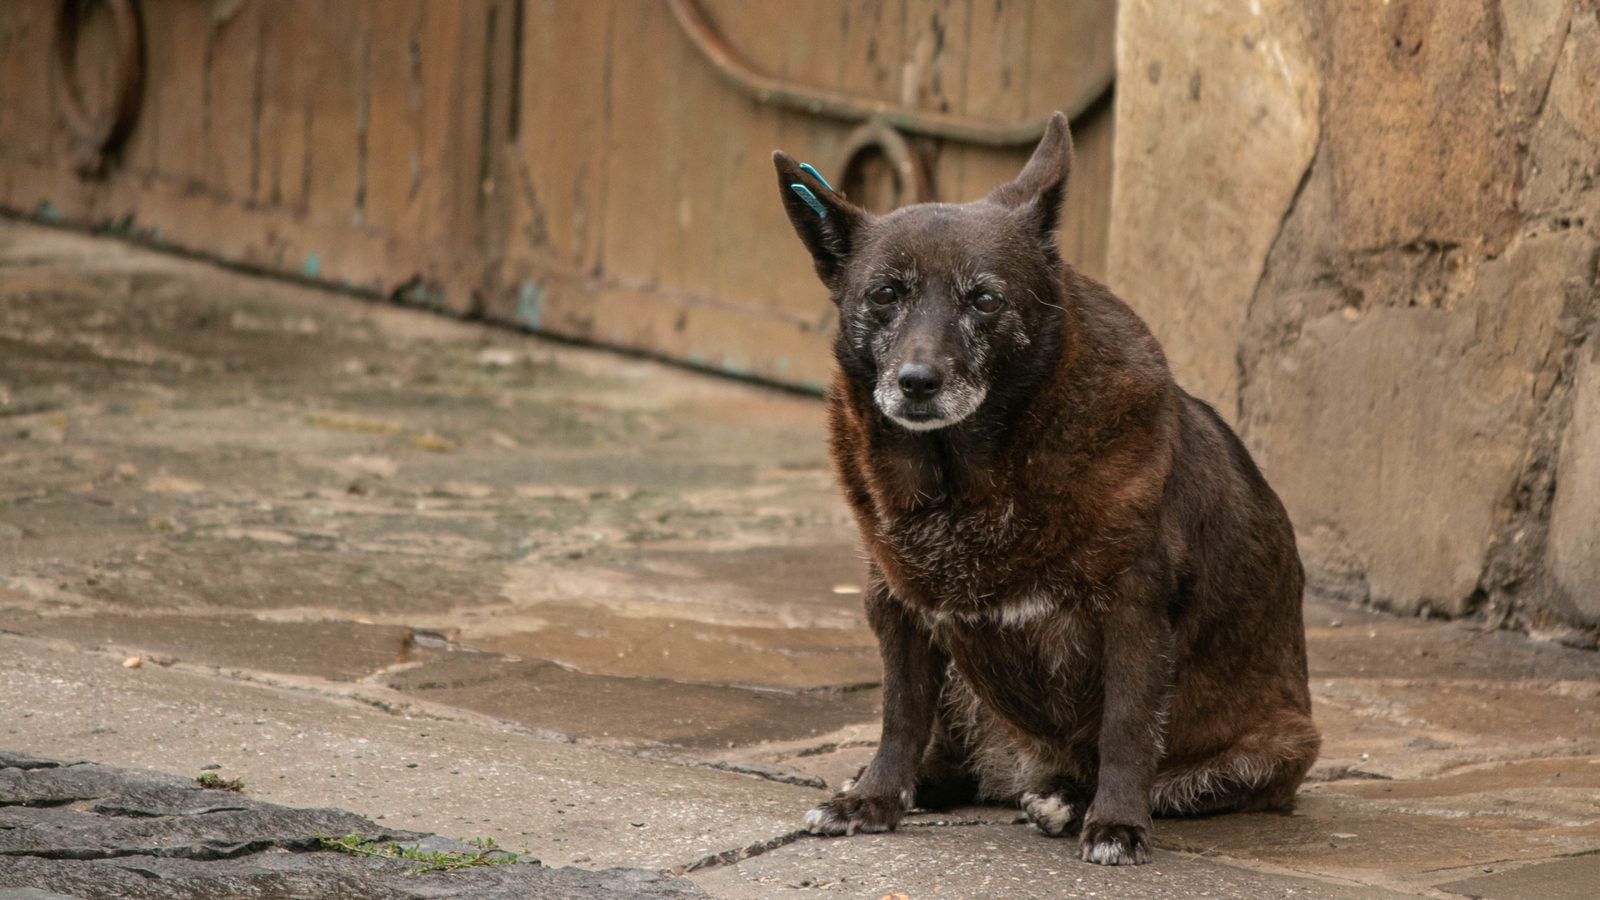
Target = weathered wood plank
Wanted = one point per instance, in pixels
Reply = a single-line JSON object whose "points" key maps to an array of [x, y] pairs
{"points": [[998, 51], [285, 115], [1069, 42], [339, 60], [936, 34], [178, 36], [498, 191], [812, 54], [452, 92], [676, 173], [1086, 218], [636, 199], [27, 115], [232, 90], [871, 37], [394, 107], [563, 130]]}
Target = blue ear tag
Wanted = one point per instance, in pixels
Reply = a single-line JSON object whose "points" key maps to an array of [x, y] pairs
{"points": [[804, 193], [813, 172]]}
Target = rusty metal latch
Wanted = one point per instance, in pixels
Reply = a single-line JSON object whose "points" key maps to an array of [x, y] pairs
{"points": [[911, 183]]}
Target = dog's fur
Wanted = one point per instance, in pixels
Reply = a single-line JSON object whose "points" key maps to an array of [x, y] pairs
{"points": [[1086, 597]]}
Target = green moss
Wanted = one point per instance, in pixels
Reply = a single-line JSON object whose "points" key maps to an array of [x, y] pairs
{"points": [[485, 853]]}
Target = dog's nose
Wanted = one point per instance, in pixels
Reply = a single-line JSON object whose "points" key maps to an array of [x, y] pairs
{"points": [[919, 381]]}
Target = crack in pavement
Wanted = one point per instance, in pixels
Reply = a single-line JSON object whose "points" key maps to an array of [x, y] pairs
{"points": [[401, 705], [739, 854], [732, 857], [810, 781]]}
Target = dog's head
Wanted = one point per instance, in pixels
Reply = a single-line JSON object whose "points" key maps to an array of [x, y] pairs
{"points": [[942, 307]]}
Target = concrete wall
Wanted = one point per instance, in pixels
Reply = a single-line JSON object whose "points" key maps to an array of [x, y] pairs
{"points": [[1367, 231]]}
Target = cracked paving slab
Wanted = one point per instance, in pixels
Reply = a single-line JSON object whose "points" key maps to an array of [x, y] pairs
{"points": [[437, 771], [998, 860], [85, 831]]}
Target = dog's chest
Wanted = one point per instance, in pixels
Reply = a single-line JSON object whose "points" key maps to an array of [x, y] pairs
{"points": [[995, 566], [960, 559], [1035, 664], [1009, 585]]}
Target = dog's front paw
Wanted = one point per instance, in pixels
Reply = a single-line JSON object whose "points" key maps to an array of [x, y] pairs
{"points": [[1052, 814], [1115, 845], [850, 813]]}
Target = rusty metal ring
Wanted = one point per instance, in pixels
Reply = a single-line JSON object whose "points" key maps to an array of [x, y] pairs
{"points": [[910, 178], [97, 133], [712, 44]]}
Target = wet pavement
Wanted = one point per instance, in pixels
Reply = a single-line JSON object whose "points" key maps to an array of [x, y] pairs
{"points": [[470, 582]]}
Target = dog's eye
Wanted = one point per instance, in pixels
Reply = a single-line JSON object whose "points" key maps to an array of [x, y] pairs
{"points": [[987, 302], [883, 296]]}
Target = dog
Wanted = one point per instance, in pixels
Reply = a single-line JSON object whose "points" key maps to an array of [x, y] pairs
{"points": [[1086, 596]]}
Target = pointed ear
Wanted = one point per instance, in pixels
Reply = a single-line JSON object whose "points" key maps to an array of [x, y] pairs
{"points": [[826, 222], [1042, 185]]}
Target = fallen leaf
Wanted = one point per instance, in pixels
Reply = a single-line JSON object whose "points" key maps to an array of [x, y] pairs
{"points": [[466, 489], [498, 358], [359, 424], [381, 466], [432, 443], [172, 484]]}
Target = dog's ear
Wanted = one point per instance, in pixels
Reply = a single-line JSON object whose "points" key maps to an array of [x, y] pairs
{"points": [[1041, 187], [826, 222]]}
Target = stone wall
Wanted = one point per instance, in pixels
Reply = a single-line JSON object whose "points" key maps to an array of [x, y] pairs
{"points": [[1367, 231]]}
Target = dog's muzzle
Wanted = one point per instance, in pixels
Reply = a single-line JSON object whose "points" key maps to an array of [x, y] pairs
{"points": [[922, 398]]}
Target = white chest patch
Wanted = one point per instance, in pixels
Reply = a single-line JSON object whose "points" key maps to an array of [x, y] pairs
{"points": [[1021, 612], [1017, 612]]}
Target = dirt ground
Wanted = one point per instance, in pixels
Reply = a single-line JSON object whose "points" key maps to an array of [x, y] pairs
{"points": [[477, 583]]}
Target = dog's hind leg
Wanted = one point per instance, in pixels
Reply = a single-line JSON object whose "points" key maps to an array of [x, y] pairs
{"points": [[986, 759], [945, 777], [1260, 771], [1057, 810]]}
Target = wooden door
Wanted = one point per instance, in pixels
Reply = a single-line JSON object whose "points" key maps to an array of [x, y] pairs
{"points": [[597, 170]]}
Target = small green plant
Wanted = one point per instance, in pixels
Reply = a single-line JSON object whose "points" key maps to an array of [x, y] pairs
{"points": [[211, 781], [485, 853]]}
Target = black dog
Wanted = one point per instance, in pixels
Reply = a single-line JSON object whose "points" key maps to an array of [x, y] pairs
{"points": [[1086, 596]]}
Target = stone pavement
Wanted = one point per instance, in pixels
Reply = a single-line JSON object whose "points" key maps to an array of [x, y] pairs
{"points": [[470, 583]]}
